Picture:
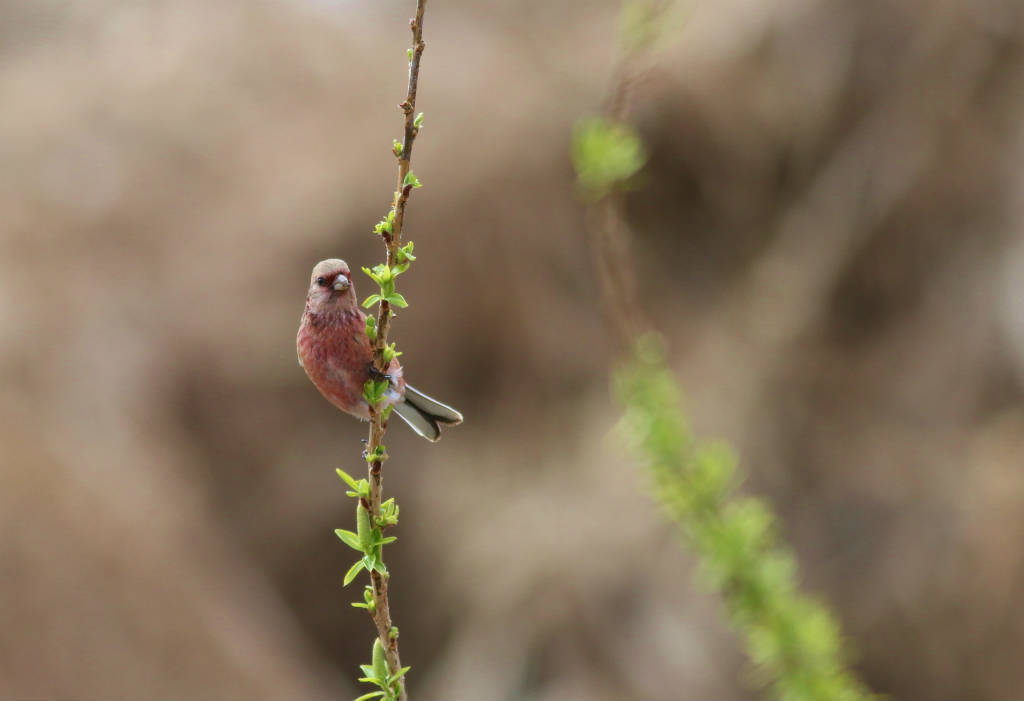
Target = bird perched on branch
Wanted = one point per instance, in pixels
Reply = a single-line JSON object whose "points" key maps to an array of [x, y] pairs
{"points": [[337, 355]]}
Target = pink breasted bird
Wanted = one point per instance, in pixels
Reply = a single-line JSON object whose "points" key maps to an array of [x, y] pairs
{"points": [[336, 354]]}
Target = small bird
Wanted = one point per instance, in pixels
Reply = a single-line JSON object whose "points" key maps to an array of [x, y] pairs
{"points": [[336, 354]]}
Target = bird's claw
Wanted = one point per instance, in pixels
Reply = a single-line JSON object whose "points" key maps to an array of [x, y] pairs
{"points": [[376, 375]]}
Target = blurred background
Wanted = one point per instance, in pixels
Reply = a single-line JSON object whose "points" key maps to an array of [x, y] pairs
{"points": [[829, 230]]}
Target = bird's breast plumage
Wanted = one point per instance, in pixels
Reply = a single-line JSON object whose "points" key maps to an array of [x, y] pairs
{"points": [[336, 354]]}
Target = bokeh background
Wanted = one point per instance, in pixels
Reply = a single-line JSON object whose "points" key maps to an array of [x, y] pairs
{"points": [[829, 232]]}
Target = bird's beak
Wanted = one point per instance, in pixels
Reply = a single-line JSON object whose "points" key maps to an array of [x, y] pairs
{"points": [[342, 283]]}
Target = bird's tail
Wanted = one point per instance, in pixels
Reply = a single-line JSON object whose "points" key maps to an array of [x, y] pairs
{"points": [[425, 415]]}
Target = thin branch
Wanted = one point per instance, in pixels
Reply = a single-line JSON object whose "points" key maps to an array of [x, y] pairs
{"points": [[381, 610], [607, 231]]}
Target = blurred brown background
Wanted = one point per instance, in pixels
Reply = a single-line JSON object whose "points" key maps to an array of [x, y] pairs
{"points": [[830, 229]]}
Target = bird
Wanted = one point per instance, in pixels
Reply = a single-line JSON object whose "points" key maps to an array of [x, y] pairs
{"points": [[337, 355]]}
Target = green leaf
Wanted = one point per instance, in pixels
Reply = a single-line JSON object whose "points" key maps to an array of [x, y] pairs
{"points": [[372, 694], [350, 539], [363, 532], [385, 225], [401, 673], [359, 605], [397, 147], [373, 391], [349, 480], [374, 563], [380, 273], [408, 55], [411, 179], [362, 489], [397, 299], [371, 328], [404, 257], [390, 353], [388, 513], [371, 300], [353, 571], [418, 122], [380, 660], [378, 453], [388, 520]]}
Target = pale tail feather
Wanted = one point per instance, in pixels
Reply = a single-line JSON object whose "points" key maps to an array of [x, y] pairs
{"points": [[423, 413], [419, 422], [428, 405]]}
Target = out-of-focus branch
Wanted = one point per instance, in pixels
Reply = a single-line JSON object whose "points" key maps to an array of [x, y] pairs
{"points": [[794, 641], [607, 153]]}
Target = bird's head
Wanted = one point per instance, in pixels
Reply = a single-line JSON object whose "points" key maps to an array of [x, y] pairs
{"points": [[330, 287]]}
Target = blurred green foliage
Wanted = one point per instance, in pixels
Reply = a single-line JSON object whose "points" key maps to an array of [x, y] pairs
{"points": [[605, 154], [794, 641]]}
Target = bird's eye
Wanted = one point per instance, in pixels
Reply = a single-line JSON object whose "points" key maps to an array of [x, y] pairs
{"points": [[322, 281]]}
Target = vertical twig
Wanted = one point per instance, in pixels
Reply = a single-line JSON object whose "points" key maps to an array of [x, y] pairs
{"points": [[381, 611], [605, 224]]}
